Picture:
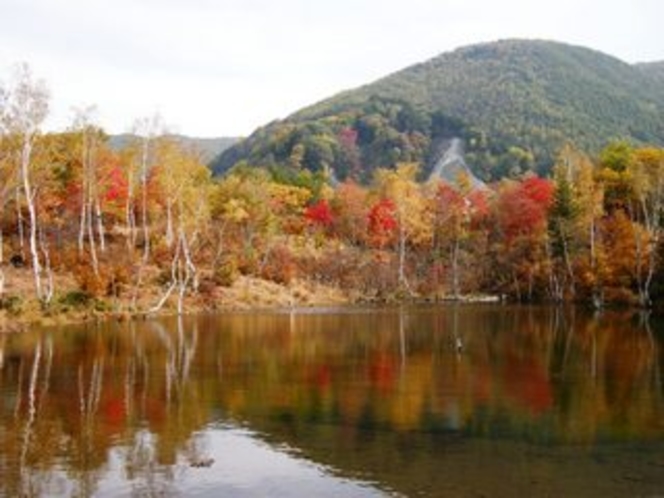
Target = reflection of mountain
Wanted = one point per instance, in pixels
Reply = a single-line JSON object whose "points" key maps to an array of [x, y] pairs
{"points": [[375, 394]]}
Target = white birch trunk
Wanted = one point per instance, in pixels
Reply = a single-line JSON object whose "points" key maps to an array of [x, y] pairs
{"points": [[81, 226], [144, 199], [91, 241], [48, 287], [130, 220], [84, 199], [32, 213], [19, 221], [170, 236], [101, 231]]}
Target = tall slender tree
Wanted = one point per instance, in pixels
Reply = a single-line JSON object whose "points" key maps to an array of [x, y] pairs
{"points": [[401, 187], [25, 110], [147, 130], [91, 224], [648, 187]]}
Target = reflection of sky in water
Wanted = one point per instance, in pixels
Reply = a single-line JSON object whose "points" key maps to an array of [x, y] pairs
{"points": [[243, 466]]}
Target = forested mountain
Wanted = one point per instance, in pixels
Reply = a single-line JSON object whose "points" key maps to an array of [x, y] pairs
{"points": [[654, 70], [515, 103], [209, 148]]}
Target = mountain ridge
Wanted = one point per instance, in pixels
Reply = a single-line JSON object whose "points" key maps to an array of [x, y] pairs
{"points": [[514, 102], [654, 69], [208, 148]]}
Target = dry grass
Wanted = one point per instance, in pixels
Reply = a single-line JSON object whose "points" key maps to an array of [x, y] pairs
{"points": [[20, 308], [249, 292]]}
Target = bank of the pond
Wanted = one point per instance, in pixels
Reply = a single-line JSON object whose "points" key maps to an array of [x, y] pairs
{"points": [[19, 309]]}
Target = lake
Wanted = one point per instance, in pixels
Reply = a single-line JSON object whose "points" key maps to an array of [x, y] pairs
{"points": [[446, 400]]}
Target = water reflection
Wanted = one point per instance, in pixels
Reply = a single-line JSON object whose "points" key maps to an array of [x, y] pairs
{"points": [[418, 401]]}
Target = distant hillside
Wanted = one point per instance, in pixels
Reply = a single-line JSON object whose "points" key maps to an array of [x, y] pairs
{"points": [[209, 148], [654, 70], [514, 103]]}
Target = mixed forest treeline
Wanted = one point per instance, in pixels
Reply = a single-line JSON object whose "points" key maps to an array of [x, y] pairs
{"points": [[136, 229]]}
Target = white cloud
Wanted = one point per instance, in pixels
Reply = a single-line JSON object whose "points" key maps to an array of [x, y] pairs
{"points": [[222, 67]]}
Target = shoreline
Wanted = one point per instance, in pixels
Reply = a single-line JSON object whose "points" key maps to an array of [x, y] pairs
{"points": [[247, 294], [19, 309]]}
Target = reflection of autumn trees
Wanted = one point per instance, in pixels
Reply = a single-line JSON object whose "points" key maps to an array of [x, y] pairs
{"points": [[565, 376], [69, 400], [144, 391], [621, 395]]}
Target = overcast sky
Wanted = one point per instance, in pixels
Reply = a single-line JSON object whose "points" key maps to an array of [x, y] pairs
{"points": [[224, 67]]}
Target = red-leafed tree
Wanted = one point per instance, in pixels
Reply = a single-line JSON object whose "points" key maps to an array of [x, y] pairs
{"points": [[319, 214], [523, 207], [382, 222], [520, 235], [117, 186], [479, 207]]}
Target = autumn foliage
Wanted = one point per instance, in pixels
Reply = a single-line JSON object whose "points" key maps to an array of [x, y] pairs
{"points": [[523, 206], [147, 226], [319, 214], [382, 222]]}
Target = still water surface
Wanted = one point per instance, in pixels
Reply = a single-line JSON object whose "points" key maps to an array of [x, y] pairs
{"points": [[411, 401]]}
